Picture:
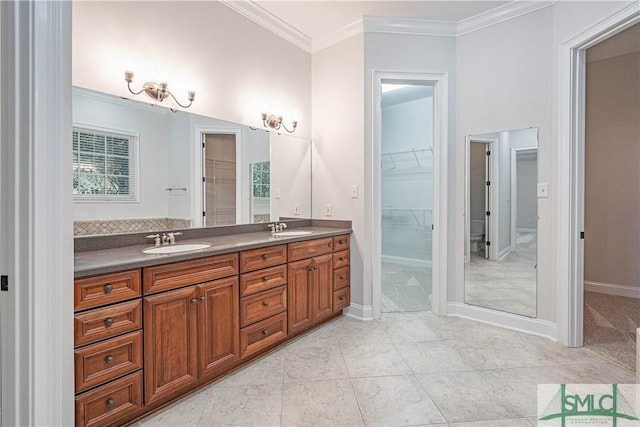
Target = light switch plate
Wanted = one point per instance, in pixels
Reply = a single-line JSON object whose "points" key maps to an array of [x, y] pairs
{"points": [[276, 193], [354, 191], [543, 190], [296, 209], [327, 210]]}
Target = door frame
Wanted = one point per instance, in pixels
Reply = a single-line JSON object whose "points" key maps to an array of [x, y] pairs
{"points": [[570, 168], [199, 172], [373, 265], [514, 190]]}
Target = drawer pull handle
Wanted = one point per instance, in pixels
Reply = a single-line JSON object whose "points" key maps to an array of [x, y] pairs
{"points": [[203, 299], [265, 257], [265, 278], [108, 360], [110, 403], [108, 288], [265, 332], [108, 322], [265, 303], [313, 268], [194, 301]]}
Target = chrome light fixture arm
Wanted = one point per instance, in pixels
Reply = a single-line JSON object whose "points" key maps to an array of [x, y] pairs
{"points": [[157, 90]]}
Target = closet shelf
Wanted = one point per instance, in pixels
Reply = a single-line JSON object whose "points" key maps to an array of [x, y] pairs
{"points": [[422, 217], [397, 157]]}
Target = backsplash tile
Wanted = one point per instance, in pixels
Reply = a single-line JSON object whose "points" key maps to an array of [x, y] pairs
{"points": [[115, 226]]}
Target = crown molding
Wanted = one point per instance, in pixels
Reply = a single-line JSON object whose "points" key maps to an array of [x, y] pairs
{"points": [[259, 15], [338, 35], [411, 26], [500, 14]]}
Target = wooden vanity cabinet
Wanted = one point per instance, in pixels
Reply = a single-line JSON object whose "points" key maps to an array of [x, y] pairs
{"points": [[189, 334]]}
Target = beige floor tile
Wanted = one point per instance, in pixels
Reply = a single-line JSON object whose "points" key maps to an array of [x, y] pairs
{"points": [[508, 422], [253, 405], [433, 356], [373, 360], [267, 370], [395, 401], [184, 413], [314, 361], [320, 403]]}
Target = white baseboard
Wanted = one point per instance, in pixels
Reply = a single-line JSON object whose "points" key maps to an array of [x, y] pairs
{"points": [[612, 289], [506, 251], [542, 328], [359, 312], [413, 262]]}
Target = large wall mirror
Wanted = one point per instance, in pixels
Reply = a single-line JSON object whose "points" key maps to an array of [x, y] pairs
{"points": [[501, 221], [141, 167]]}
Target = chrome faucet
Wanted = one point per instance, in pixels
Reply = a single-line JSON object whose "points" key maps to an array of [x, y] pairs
{"points": [[277, 227], [156, 237], [171, 237]]}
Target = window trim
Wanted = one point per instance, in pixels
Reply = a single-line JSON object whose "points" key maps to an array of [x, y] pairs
{"points": [[134, 151]]}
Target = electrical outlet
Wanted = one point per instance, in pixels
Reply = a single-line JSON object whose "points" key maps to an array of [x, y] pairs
{"points": [[543, 190], [296, 209], [354, 191], [327, 210]]}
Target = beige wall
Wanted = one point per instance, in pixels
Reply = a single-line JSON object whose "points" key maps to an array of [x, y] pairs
{"points": [[238, 67], [612, 159]]}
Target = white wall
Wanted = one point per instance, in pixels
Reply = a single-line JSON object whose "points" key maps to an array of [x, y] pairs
{"points": [[417, 54], [291, 174], [339, 146], [151, 125], [527, 198], [238, 67], [505, 82], [255, 149]]}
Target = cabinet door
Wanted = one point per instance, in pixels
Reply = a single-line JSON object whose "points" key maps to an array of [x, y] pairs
{"points": [[219, 325], [321, 288], [170, 346], [299, 296]]}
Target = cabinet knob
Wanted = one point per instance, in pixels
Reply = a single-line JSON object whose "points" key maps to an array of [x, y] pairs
{"points": [[341, 277], [108, 322], [342, 242], [108, 288], [265, 278], [108, 360], [194, 301], [265, 257], [341, 258], [110, 403], [341, 298], [265, 303], [265, 332], [203, 299]]}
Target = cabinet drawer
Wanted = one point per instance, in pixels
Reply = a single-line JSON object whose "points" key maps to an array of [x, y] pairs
{"points": [[261, 280], [256, 259], [107, 322], [310, 248], [341, 243], [172, 276], [100, 290], [110, 402], [341, 278], [107, 360], [341, 259], [263, 334], [341, 299], [260, 306]]}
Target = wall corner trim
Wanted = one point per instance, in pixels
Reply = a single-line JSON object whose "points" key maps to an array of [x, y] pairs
{"points": [[500, 14], [335, 37], [529, 325], [360, 312], [261, 16], [411, 26]]}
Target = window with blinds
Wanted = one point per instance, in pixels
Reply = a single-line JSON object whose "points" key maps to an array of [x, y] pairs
{"points": [[104, 165]]}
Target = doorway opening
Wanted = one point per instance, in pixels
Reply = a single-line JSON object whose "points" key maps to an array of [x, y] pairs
{"points": [[407, 196], [612, 197]]}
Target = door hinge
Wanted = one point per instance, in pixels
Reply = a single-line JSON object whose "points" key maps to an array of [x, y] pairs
{"points": [[582, 234], [487, 213], [488, 182], [432, 227], [488, 152], [488, 243], [204, 179], [203, 213], [4, 283]]}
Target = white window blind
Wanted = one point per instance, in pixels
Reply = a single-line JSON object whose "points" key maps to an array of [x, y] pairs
{"points": [[105, 165]]}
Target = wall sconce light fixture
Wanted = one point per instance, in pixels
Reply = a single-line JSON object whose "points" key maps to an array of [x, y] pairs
{"points": [[157, 90], [274, 122]]}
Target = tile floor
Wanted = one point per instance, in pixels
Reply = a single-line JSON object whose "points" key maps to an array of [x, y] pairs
{"points": [[407, 369], [506, 285], [405, 288]]}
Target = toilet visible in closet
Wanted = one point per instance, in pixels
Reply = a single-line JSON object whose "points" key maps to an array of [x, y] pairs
{"points": [[477, 235]]}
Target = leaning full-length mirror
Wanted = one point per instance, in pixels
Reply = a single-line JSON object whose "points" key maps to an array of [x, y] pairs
{"points": [[142, 167], [501, 221]]}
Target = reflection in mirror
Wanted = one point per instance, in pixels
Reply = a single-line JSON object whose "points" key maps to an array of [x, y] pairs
{"points": [[141, 167], [501, 221]]}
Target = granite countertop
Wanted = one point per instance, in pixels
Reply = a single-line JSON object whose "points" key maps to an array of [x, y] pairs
{"points": [[90, 263]]}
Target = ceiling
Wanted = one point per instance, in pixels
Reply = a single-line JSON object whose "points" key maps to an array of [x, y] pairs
{"points": [[320, 19]]}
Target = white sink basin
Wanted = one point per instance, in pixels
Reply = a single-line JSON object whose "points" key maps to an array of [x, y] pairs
{"points": [[174, 249], [291, 233]]}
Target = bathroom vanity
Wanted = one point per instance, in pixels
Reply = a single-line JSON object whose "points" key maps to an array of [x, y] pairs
{"points": [[150, 328]]}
